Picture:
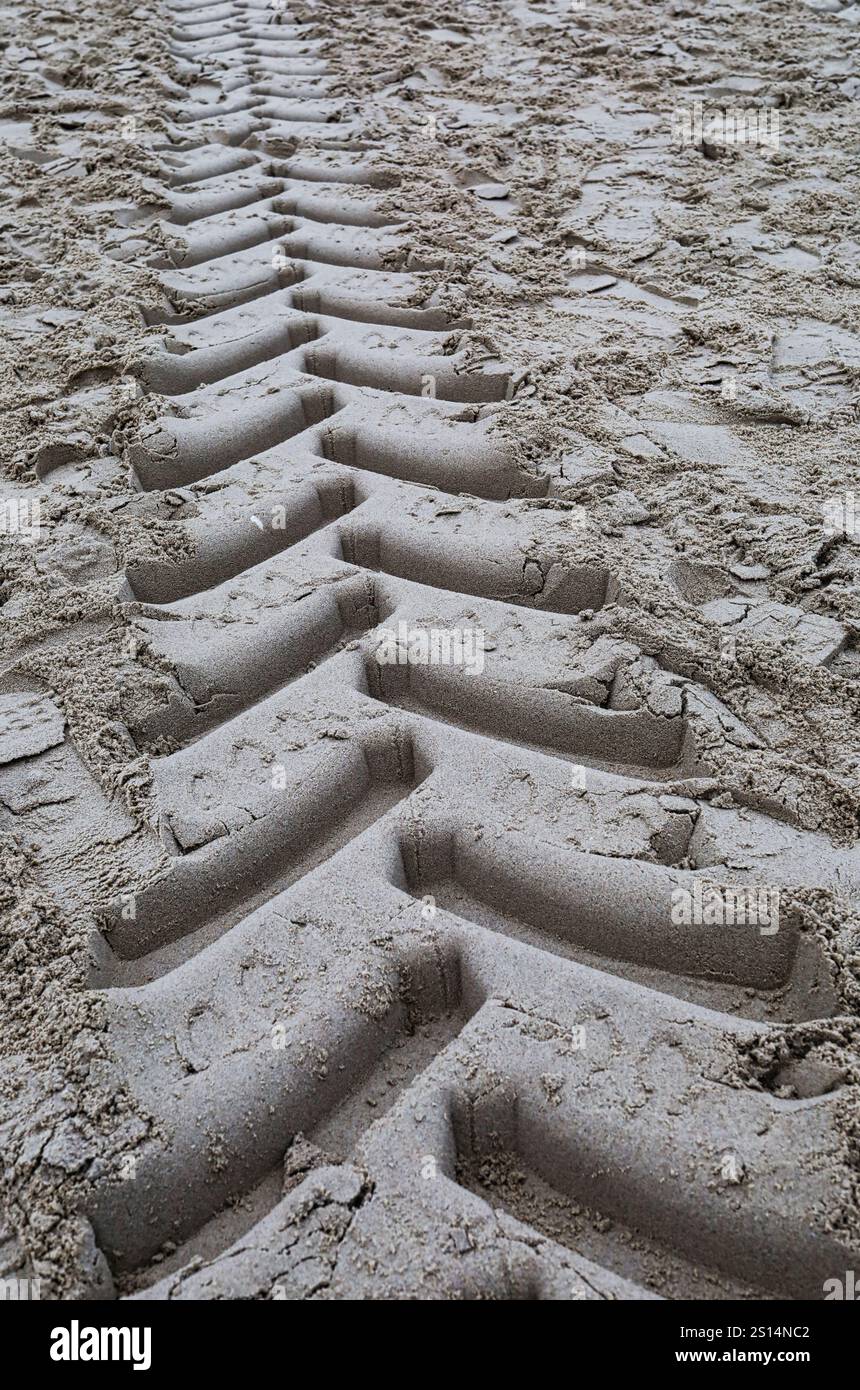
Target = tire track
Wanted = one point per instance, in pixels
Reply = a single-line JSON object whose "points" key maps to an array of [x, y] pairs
{"points": [[390, 915]]}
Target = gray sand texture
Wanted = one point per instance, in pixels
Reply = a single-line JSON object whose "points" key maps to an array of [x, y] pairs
{"points": [[430, 679]]}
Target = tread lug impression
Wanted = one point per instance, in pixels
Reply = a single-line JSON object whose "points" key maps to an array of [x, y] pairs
{"points": [[424, 739]]}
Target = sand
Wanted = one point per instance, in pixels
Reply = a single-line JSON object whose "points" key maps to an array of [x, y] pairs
{"points": [[428, 713]]}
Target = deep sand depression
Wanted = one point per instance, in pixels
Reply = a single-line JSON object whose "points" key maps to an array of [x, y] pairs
{"points": [[332, 968]]}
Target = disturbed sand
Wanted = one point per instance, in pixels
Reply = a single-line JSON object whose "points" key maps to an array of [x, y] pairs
{"points": [[331, 972]]}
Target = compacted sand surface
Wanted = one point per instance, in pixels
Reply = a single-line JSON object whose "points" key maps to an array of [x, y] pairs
{"points": [[429, 691]]}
